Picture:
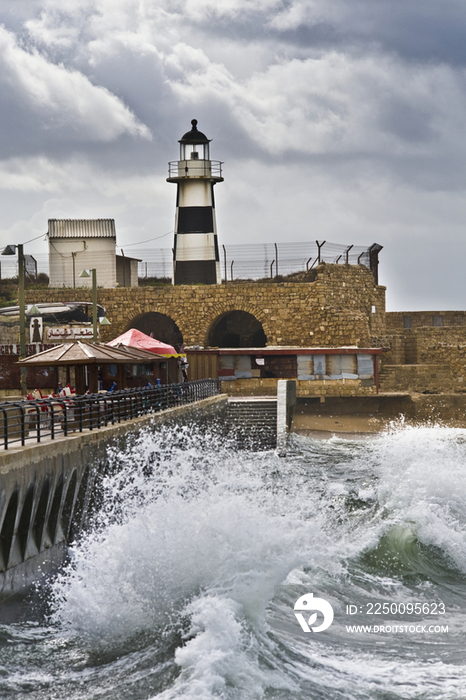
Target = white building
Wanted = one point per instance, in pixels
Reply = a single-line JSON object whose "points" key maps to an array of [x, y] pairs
{"points": [[84, 244]]}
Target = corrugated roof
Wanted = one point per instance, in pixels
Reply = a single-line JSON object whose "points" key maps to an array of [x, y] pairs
{"points": [[82, 228]]}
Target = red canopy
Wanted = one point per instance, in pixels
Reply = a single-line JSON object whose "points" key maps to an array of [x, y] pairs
{"points": [[137, 339]]}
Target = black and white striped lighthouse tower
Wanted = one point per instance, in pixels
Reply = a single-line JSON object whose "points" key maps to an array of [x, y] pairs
{"points": [[195, 253]]}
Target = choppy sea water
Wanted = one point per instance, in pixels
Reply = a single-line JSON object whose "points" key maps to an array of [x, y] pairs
{"points": [[185, 585]]}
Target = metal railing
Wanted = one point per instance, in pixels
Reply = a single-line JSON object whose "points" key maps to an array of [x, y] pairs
{"points": [[33, 421], [198, 168]]}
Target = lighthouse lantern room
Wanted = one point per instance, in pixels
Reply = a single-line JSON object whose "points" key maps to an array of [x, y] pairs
{"points": [[195, 252]]}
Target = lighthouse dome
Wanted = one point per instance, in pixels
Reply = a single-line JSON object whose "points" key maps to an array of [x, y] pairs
{"points": [[194, 136], [194, 145]]}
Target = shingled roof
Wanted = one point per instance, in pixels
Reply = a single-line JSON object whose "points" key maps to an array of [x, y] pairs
{"points": [[79, 353]]}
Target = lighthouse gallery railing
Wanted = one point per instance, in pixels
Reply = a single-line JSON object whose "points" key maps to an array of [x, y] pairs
{"points": [[199, 168]]}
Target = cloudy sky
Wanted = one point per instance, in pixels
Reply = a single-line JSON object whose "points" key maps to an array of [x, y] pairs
{"points": [[342, 120]]}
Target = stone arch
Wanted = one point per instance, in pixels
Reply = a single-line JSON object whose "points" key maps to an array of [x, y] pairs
{"points": [[25, 521], [52, 524], [162, 326], [67, 510], [236, 329], [80, 505], [41, 512], [8, 528]]}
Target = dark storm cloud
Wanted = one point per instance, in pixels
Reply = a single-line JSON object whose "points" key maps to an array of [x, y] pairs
{"points": [[341, 119], [426, 31], [46, 104], [145, 80]]}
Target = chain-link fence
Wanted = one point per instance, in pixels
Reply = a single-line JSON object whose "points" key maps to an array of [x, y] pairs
{"points": [[238, 262], [265, 260]]}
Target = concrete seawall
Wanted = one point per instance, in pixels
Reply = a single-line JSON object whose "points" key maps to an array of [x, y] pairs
{"points": [[373, 413], [47, 492]]}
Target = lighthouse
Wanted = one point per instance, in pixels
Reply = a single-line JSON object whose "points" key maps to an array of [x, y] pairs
{"points": [[195, 253]]}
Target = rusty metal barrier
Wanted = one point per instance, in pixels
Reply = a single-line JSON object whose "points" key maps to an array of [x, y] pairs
{"points": [[32, 421]]}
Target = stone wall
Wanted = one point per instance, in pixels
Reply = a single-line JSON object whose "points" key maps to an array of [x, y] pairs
{"points": [[444, 346], [426, 359], [341, 307], [398, 320], [425, 378], [425, 351], [320, 388], [449, 409]]}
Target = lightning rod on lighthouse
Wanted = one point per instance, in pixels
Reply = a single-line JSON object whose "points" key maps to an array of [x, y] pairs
{"points": [[195, 253]]}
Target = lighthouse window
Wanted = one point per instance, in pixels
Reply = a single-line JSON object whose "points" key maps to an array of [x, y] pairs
{"points": [[194, 151]]}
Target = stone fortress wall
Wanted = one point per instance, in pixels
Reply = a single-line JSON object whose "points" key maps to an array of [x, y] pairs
{"points": [[340, 307], [426, 351], [423, 351]]}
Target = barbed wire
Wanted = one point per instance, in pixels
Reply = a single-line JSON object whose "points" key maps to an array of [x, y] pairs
{"points": [[259, 260], [237, 261]]}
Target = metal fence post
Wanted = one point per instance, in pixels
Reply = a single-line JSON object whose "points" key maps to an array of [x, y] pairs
{"points": [[5, 428], [319, 246]]}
